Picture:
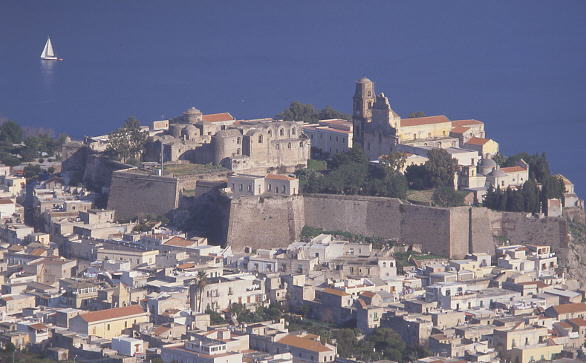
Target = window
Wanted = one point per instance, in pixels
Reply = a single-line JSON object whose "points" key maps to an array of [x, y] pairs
{"points": [[293, 131], [260, 139], [238, 140], [249, 187], [288, 145], [282, 132], [238, 151], [270, 187], [108, 326], [240, 187]]}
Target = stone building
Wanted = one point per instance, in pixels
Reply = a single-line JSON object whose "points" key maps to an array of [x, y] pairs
{"points": [[378, 129], [330, 136], [243, 145]]}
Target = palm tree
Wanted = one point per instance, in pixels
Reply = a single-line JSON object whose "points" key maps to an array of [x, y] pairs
{"points": [[202, 281]]}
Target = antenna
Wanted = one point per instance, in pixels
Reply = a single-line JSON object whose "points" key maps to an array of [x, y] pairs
{"points": [[162, 160]]}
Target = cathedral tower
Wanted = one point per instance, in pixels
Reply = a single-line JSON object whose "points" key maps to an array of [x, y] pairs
{"points": [[364, 98]]}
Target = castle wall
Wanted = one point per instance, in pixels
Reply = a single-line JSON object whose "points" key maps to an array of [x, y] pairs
{"points": [[133, 194], [264, 222], [452, 232], [98, 172]]}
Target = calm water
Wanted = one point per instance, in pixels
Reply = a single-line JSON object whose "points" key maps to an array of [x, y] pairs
{"points": [[519, 66]]}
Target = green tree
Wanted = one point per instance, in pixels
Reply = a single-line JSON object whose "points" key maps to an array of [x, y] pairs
{"points": [[298, 111], [388, 343], [441, 167], [329, 113], [200, 285], [10, 133], [32, 171], [445, 196], [416, 114], [418, 177], [515, 200], [394, 162], [531, 196], [127, 141]]}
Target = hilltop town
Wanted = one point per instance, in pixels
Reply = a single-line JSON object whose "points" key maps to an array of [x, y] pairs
{"points": [[311, 236]]}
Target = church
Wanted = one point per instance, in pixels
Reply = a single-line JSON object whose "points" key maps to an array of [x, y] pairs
{"points": [[378, 129]]}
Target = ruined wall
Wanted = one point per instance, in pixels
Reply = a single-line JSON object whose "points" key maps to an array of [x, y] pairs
{"points": [[133, 194], [261, 222]]}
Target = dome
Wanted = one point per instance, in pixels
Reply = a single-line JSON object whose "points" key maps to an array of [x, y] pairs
{"points": [[497, 173], [192, 111], [487, 163], [364, 80], [189, 131]]}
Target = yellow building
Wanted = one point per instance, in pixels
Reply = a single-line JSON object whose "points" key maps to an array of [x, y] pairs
{"points": [[424, 128], [486, 148], [534, 353], [109, 323]]}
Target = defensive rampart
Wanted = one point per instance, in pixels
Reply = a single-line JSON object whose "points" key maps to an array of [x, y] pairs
{"points": [[135, 194], [453, 232], [261, 222]]}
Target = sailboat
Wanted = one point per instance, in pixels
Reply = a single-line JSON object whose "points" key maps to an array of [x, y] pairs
{"points": [[48, 53]]}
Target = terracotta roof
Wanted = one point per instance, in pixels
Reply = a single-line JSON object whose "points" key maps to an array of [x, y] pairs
{"points": [[563, 324], [578, 321], [330, 291], [466, 122], [362, 304], [112, 313], [459, 129], [160, 329], [179, 242], [428, 120], [38, 326], [37, 252], [570, 308], [6, 201], [304, 343], [186, 265], [513, 169], [218, 117], [367, 293], [279, 177], [477, 141]]}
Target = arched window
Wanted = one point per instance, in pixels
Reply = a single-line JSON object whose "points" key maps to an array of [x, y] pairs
{"points": [[238, 151], [301, 144], [293, 131], [288, 145], [282, 132], [238, 140], [260, 139], [270, 132]]}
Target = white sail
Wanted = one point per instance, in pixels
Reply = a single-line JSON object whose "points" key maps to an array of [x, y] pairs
{"points": [[48, 52]]}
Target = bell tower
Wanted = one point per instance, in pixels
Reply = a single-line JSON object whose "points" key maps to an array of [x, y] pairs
{"points": [[363, 100]]}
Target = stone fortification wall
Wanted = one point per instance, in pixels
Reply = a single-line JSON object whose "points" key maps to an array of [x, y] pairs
{"points": [[517, 228], [452, 232], [261, 222], [134, 194], [98, 171]]}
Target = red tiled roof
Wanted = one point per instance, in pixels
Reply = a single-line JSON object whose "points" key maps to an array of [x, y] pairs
{"points": [[38, 326], [160, 329], [459, 129], [218, 117], [279, 177], [570, 308], [330, 291], [179, 242], [112, 313], [477, 141], [6, 201], [466, 122], [304, 343], [428, 120], [367, 293], [513, 169], [578, 321]]}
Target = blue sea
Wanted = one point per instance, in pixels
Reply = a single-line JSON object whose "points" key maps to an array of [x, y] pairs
{"points": [[519, 66]]}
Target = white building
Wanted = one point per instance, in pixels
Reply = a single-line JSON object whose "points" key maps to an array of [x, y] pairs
{"points": [[243, 184], [128, 346]]}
